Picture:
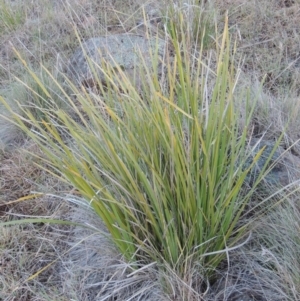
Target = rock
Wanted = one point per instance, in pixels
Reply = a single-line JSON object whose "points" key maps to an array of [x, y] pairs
{"points": [[285, 167], [123, 50]]}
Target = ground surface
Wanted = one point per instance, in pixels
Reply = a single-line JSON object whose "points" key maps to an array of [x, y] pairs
{"points": [[83, 265]]}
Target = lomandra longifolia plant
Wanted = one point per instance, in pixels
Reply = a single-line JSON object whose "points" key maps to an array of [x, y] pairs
{"points": [[161, 165]]}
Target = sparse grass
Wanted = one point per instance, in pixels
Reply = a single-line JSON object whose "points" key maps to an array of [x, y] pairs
{"points": [[267, 268], [12, 16], [280, 233], [268, 41], [26, 249], [20, 175]]}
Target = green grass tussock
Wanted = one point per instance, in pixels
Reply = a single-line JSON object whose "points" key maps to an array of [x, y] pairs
{"points": [[149, 185], [162, 167]]}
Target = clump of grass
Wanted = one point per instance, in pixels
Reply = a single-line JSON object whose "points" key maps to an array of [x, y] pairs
{"points": [[163, 167]]}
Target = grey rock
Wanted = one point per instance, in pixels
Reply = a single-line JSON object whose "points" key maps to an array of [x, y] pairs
{"points": [[284, 166], [123, 50]]}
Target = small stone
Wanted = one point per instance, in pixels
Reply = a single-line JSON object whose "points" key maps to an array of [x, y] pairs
{"points": [[284, 166]]}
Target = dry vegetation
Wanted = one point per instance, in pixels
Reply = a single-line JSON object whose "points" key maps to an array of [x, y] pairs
{"points": [[83, 263]]}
